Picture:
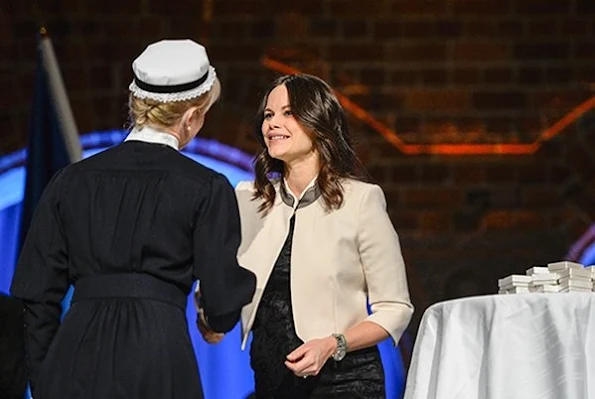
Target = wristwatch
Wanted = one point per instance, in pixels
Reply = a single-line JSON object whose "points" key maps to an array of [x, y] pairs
{"points": [[341, 350]]}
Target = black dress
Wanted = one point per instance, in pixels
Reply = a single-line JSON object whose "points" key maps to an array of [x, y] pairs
{"points": [[358, 375], [132, 228]]}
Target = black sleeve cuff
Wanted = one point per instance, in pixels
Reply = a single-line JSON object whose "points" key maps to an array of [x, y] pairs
{"points": [[223, 323]]}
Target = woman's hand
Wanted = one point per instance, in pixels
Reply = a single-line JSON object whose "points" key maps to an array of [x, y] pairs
{"points": [[208, 335], [308, 359]]}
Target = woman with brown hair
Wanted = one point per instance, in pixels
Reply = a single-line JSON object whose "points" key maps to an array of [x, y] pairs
{"points": [[322, 246], [133, 228]]}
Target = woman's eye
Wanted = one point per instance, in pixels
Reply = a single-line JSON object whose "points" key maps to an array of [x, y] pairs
{"points": [[268, 116], [287, 112]]}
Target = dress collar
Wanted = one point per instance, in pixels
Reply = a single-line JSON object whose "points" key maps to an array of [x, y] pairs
{"points": [[150, 135], [309, 195]]}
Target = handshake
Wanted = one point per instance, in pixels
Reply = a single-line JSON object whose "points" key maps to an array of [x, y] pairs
{"points": [[207, 333]]}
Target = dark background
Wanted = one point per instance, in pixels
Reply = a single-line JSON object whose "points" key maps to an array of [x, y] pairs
{"points": [[428, 72]]}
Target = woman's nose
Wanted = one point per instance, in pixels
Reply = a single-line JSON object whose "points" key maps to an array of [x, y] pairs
{"points": [[275, 120]]}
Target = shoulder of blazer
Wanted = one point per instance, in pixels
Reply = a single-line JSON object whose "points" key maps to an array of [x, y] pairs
{"points": [[248, 185], [360, 195], [245, 185], [357, 188], [245, 196]]}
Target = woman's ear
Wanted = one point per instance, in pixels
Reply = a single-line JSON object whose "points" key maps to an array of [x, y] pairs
{"points": [[198, 116], [199, 120], [192, 121]]}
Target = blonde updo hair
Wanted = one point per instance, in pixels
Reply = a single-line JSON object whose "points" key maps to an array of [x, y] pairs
{"points": [[147, 112]]}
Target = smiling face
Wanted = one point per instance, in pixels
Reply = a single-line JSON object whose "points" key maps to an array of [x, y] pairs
{"points": [[285, 138]]}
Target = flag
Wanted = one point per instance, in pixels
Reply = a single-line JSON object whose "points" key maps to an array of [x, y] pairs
{"points": [[53, 137]]}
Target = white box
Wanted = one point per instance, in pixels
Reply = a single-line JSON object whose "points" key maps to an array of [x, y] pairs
{"points": [[537, 270], [514, 279], [577, 283], [575, 273], [545, 277], [515, 286], [555, 266]]}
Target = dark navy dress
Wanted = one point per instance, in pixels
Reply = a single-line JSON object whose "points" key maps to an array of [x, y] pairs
{"points": [[132, 228]]}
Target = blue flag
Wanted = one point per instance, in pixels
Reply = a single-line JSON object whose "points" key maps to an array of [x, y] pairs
{"points": [[53, 138]]}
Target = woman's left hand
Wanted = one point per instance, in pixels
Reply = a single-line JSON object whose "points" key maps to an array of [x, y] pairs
{"points": [[308, 359]]}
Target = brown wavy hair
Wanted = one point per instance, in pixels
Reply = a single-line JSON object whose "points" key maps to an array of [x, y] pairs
{"points": [[319, 113]]}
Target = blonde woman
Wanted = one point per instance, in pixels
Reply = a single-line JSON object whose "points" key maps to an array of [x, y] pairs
{"points": [[133, 228]]}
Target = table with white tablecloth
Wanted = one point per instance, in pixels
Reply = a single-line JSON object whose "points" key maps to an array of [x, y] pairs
{"points": [[521, 346]]}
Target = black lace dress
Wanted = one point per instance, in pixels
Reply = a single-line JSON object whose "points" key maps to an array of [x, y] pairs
{"points": [[358, 375]]}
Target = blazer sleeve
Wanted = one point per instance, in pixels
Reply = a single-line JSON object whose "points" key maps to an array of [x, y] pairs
{"points": [[225, 286], [41, 277], [383, 265]]}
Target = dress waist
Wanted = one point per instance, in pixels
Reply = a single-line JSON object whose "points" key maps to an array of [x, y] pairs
{"points": [[128, 285]]}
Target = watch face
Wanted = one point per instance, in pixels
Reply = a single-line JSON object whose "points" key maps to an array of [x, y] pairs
{"points": [[339, 355]]}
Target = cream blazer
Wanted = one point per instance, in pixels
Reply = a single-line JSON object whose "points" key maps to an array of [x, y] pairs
{"points": [[339, 261]]}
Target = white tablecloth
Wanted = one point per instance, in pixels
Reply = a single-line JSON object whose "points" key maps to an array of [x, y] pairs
{"points": [[522, 346]]}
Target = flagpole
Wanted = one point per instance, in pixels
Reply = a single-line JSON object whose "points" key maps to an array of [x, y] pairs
{"points": [[58, 93], [58, 90]]}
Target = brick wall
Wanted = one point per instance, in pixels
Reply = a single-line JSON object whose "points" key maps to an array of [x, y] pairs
{"points": [[431, 71]]}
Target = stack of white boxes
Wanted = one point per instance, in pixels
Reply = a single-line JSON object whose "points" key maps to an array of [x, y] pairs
{"points": [[514, 284], [556, 277], [543, 279], [572, 277]]}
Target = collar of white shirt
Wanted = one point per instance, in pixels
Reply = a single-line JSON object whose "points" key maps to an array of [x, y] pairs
{"points": [[150, 135]]}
